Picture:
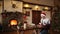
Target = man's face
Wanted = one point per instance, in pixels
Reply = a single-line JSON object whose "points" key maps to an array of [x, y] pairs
{"points": [[43, 16]]}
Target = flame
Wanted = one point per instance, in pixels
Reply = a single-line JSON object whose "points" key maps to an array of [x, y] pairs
{"points": [[13, 22]]}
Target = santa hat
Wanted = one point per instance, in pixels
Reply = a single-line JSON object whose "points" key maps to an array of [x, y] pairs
{"points": [[43, 14]]}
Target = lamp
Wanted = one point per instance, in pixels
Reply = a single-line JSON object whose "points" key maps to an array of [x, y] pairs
{"points": [[46, 8], [26, 5], [36, 7]]}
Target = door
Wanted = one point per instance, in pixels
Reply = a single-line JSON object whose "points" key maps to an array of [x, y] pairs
{"points": [[36, 16]]}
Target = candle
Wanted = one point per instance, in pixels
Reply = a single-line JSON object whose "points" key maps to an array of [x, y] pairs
{"points": [[24, 25]]}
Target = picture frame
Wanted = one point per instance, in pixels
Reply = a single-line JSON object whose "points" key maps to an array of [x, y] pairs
{"points": [[28, 13]]}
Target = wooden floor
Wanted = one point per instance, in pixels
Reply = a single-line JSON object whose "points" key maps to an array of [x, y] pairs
{"points": [[27, 32]]}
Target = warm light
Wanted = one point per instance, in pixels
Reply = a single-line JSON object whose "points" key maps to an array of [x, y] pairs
{"points": [[46, 8], [26, 5], [13, 22], [36, 7]]}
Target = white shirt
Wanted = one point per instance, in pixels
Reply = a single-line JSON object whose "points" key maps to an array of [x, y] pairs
{"points": [[45, 21]]}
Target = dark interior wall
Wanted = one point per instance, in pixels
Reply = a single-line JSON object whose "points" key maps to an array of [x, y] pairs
{"points": [[56, 2], [56, 17]]}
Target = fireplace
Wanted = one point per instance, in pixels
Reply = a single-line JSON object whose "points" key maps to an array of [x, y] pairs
{"points": [[10, 19]]}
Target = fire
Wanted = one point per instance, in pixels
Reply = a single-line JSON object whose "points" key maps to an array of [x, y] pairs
{"points": [[13, 22]]}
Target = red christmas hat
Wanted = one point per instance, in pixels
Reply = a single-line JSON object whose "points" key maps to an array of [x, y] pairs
{"points": [[44, 14]]}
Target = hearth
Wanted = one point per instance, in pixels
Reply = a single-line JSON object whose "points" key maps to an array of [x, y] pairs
{"points": [[11, 19]]}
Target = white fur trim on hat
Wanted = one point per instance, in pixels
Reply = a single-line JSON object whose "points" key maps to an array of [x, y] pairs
{"points": [[43, 15]]}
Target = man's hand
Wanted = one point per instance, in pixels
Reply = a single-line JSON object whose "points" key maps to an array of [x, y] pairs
{"points": [[40, 25]]}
